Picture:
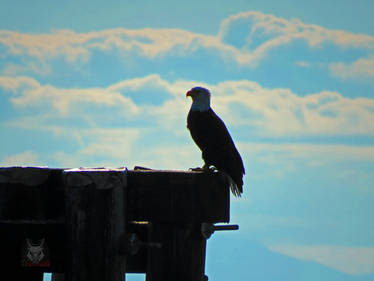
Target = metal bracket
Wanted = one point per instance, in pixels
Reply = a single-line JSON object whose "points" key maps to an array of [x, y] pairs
{"points": [[207, 229]]}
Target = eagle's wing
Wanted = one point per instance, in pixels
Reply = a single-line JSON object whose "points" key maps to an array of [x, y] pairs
{"points": [[218, 149]]}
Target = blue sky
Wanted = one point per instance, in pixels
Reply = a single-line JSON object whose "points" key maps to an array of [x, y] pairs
{"points": [[87, 83]]}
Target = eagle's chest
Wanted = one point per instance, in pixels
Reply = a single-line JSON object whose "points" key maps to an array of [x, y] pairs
{"points": [[197, 121], [198, 124]]}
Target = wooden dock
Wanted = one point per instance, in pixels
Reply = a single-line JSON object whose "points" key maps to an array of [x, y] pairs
{"points": [[98, 224]]}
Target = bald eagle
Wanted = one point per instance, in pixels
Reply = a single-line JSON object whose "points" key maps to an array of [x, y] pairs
{"points": [[212, 137]]}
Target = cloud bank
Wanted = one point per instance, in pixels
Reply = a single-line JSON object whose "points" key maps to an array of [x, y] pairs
{"points": [[244, 39], [244, 104]]}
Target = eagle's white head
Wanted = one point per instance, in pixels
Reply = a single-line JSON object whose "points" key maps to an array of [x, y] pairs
{"points": [[200, 98]]}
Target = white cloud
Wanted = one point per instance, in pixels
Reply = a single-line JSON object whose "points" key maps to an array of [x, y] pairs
{"points": [[112, 142], [351, 260], [44, 46], [78, 46], [242, 104], [182, 156], [284, 160], [286, 156], [26, 158], [281, 31], [14, 85], [361, 68], [29, 93], [304, 64], [258, 33], [280, 112], [40, 68], [111, 147], [122, 147]]}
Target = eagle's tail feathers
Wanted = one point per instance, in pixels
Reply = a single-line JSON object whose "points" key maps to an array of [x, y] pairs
{"points": [[233, 186]]}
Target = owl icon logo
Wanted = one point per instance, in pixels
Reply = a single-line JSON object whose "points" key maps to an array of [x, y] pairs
{"points": [[35, 253]]}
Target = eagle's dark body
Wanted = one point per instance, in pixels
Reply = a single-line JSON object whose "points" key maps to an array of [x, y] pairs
{"points": [[218, 149]]}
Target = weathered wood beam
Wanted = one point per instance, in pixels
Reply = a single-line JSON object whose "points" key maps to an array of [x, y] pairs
{"points": [[31, 193], [95, 222], [182, 256], [178, 196], [31, 207], [164, 196]]}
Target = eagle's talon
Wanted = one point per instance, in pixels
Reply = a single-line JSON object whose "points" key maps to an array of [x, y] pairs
{"points": [[209, 169], [197, 169]]}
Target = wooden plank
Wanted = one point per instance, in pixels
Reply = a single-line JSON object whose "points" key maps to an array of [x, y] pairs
{"points": [[165, 196], [31, 207], [95, 221], [137, 263], [182, 255], [31, 193]]}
